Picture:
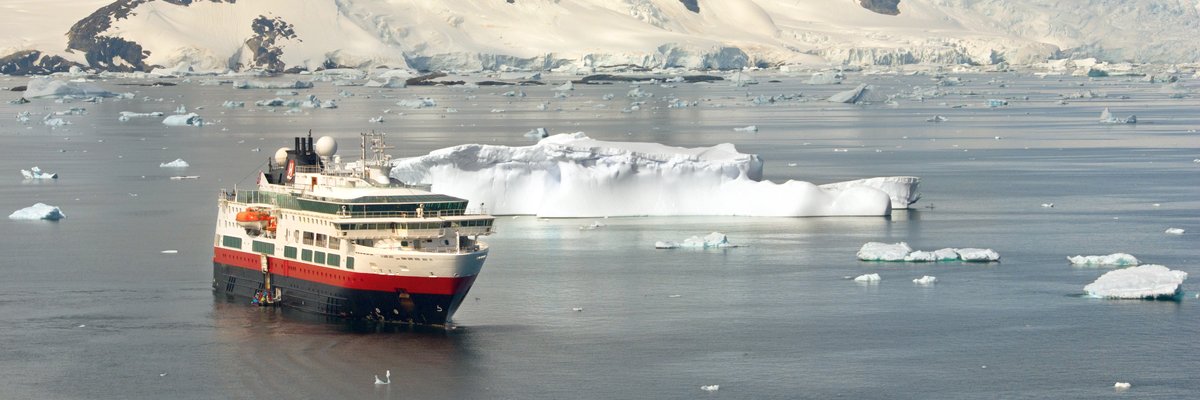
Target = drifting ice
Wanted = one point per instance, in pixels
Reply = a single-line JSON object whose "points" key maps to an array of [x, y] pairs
{"points": [[47, 87], [751, 128], [38, 211], [1115, 259], [1174, 231], [1107, 118], [183, 120], [36, 173], [571, 175], [178, 163], [272, 85], [860, 94], [925, 280], [868, 278], [875, 251], [1142, 282], [417, 103]]}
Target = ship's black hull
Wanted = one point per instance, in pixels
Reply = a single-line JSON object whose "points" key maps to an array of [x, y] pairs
{"points": [[334, 301]]}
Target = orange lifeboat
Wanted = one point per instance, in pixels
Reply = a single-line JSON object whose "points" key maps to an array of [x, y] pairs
{"points": [[254, 218]]}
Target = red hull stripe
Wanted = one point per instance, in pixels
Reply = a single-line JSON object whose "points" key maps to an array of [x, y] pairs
{"points": [[345, 279]]}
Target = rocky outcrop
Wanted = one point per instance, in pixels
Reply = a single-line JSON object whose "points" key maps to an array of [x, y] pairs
{"points": [[691, 5], [266, 47], [113, 53], [33, 62], [886, 7]]}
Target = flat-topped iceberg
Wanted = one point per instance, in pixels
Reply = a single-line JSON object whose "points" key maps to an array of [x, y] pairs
{"points": [[925, 280], [868, 278], [571, 175], [191, 119], [715, 239], [38, 211], [1115, 259], [178, 163], [1142, 282], [49, 87], [249, 84], [895, 252]]}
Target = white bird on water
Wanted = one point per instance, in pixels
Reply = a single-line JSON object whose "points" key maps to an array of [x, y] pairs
{"points": [[383, 382]]}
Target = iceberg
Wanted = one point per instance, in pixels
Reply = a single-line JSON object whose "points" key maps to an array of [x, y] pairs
{"points": [[36, 173], [925, 280], [565, 87], [38, 211], [1142, 282], [178, 163], [876, 251], [417, 103], [1106, 117], [902, 190], [894, 252], [390, 82], [49, 87], [128, 115], [1174, 231], [715, 239], [191, 119], [978, 255], [860, 94], [571, 175], [666, 245], [867, 278], [1115, 259], [233, 104], [272, 85], [751, 128]]}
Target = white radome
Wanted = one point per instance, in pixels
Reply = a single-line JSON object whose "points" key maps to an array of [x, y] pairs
{"points": [[326, 146], [281, 155]]}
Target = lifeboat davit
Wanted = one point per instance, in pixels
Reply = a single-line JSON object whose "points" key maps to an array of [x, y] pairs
{"points": [[256, 219]]}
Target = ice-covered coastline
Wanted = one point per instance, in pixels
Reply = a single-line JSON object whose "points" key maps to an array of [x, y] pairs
{"points": [[571, 175]]}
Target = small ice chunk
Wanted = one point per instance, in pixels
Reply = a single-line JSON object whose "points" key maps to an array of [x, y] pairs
{"points": [[170, 251], [1121, 385], [128, 115], [751, 128], [978, 255], [853, 96], [715, 239], [666, 245], [925, 280], [565, 86], [417, 103], [191, 119], [710, 388], [1174, 231], [936, 118], [1114, 259], [876, 251], [1048, 205], [38, 211], [178, 163], [868, 278], [593, 226], [233, 104], [377, 120], [1142, 282], [577, 309], [36, 173]]}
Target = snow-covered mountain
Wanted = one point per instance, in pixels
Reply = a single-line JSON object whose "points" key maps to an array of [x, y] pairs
{"points": [[50, 35]]}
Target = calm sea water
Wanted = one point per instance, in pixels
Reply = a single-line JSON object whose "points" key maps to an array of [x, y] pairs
{"points": [[90, 307]]}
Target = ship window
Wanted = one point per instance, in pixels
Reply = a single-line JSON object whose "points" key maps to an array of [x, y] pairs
{"points": [[335, 243], [289, 252], [403, 243], [446, 242], [263, 247], [230, 241], [308, 238], [320, 241], [349, 262], [319, 257], [334, 260], [306, 255]]}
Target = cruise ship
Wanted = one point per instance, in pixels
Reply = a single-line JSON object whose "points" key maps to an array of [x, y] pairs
{"points": [[346, 241]]}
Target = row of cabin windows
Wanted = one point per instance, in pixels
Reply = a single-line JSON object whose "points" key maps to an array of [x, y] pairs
{"points": [[415, 225], [316, 257], [315, 239]]}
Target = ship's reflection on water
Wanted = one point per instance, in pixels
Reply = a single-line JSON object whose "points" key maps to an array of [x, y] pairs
{"points": [[281, 353]]}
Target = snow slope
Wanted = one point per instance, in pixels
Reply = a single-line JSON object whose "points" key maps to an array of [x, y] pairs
{"points": [[542, 34]]}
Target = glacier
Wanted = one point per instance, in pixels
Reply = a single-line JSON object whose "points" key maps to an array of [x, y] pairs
{"points": [[572, 175], [38, 211], [1149, 281]]}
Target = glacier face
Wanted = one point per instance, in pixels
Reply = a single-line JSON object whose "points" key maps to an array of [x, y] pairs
{"points": [[571, 175], [127, 35]]}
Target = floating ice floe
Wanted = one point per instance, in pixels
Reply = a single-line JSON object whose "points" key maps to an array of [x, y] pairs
{"points": [[1174, 231], [592, 226], [178, 163], [715, 239], [272, 85], [38, 211], [936, 118], [860, 94], [51, 120], [565, 86], [50, 87], [868, 278], [537, 133], [1141, 282], [571, 175], [1106, 117], [417, 103], [710, 388], [191, 119], [128, 115], [993, 103], [925, 280], [896, 252], [388, 83], [37, 173], [751, 128], [233, 104], [1115, 259], [666, 245], [1122, 385]]}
